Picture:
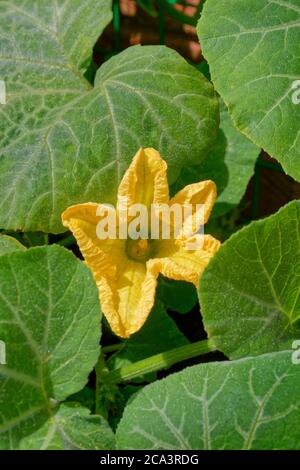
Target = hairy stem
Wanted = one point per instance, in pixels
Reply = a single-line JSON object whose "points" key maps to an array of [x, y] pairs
{"points": [[159, 361]]}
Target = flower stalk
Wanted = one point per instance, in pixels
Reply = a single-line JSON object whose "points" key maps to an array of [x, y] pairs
{"points": [[159, 361]]}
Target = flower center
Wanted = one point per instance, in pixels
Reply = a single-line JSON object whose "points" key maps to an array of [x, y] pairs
{"points": [[139, 250]]}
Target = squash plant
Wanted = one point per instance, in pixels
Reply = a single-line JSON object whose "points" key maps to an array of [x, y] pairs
{"points": [[65, 381]]}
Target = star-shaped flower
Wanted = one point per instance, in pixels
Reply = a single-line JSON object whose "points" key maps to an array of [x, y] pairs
{"points": [[126, 270]]}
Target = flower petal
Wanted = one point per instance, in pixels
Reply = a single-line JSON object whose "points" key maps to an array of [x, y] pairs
{"points": [[204, 194], [82, 220], [129, 297], [120, 280], [145, 181], [103, 257], [177, 262]]}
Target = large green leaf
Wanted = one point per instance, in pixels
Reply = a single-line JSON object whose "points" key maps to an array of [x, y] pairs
{"points": [[50, 323], [9, 244], [253, 50], [252, 403], [230, 164], [64, 141], [249, 293], [71, 427], [179, 296]]}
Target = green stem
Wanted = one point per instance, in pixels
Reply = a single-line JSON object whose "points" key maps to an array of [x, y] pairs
{"points": [[112, 348], [101, 370], [68, 241], [117, 26], [159, 361]]}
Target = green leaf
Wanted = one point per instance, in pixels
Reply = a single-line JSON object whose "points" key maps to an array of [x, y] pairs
{"points": [[230, 164], [64, 142], [50, 323], [252, 403], [71, 427], [253, 52], [249, 293], [159, 334], [9, 244], [178, 296]]}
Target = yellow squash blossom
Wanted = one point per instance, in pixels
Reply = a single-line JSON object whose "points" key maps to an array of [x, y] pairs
{"points": [[126, 270]]}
